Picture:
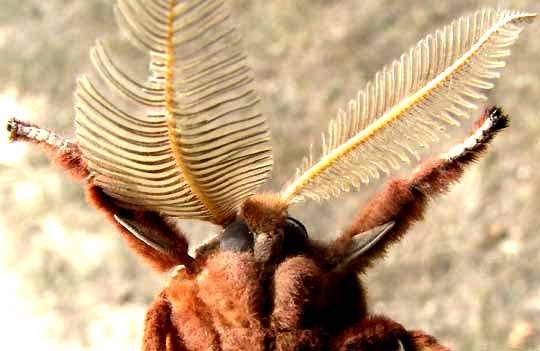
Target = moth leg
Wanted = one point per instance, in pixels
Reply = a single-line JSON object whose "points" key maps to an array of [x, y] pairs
{"points": [[63, 152], [375, 333], [359, 245], [191, 318], [66, 154], [297, 287], [403, 201], [379, 333], [174, 341], [149, 225], [161, 242], [424, 342], [157, 325]]}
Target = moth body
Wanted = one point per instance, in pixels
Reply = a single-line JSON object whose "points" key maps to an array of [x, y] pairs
{"points": [[194, 145]]}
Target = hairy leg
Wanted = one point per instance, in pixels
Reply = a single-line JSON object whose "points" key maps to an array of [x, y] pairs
{"points": [[230, 289], [298, 294], [174, 244], [63, 152], [190, 317], [66, 154], [379, 333], [403, 201], [375, 333], [156, 325], [424, 342]]}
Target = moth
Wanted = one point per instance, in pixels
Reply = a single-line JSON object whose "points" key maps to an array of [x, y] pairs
{"points": [[190, 143]]}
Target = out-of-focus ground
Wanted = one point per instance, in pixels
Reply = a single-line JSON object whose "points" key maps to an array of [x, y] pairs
{"points": [[469, 274]]}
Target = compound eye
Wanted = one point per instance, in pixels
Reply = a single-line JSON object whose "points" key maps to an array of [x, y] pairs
{"points": [[295, 236], [236, 238]]}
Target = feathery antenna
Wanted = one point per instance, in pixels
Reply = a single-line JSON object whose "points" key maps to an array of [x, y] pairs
{"points": [[196, 144], [410, 103]]}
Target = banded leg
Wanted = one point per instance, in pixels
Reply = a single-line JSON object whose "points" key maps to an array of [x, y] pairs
{"points": [[63, 152], [403, 201], [66, 154]]}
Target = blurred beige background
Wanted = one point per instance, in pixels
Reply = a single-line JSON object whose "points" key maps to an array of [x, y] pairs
{"points": [[468, 274]]}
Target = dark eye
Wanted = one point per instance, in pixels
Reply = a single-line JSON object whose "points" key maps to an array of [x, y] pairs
{"points": [[295, 237], [236, 238]]}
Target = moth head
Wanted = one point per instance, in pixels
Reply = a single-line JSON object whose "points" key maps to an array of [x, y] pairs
{"points": [[264, 227], [237, 237]]}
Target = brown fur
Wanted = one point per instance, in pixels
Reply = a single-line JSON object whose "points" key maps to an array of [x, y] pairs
{"points": [[297, 292], [189, 316], [229, 286], [220, 309], [302, 339], [150, 220], [425, 342], [71, 161], [64, 153], [174, 341], [286, 292], [373, 333], [157, 323], [404, 201], [67, 155], [264, 213]]}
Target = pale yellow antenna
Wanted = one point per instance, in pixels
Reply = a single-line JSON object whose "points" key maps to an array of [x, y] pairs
{"points": [[190, 142], [410, 103]]}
